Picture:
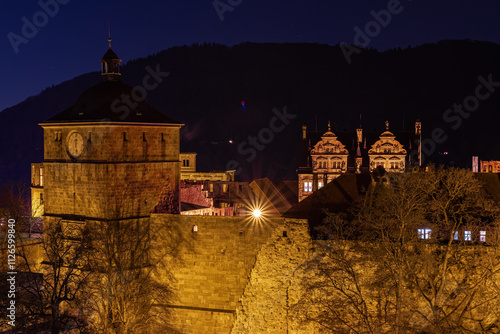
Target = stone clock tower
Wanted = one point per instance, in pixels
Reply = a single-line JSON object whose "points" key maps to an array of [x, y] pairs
{"points": [[109, 156]]}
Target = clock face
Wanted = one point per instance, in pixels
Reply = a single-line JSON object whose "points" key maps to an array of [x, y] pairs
{"points": [[75, 144]]}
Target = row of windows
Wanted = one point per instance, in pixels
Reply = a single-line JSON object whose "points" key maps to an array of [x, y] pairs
{"points": [[334, 164], [211, 187], [387, 149], [58, 136], [425, 233], [329, 149], [308, 186], [490, 169], [393, 164], [144, 137]]}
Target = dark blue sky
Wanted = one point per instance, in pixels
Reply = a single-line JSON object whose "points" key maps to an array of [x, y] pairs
{"points": [[72, 41]]}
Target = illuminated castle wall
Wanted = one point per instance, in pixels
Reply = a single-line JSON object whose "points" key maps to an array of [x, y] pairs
{"points": [[236, 275]]}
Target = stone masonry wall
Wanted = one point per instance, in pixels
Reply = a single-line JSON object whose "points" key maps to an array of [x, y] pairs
{"points": [[107, 143], [218, 261], [274, 283], [105, 190]]}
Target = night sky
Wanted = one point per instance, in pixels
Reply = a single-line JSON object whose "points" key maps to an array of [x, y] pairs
{"points": [[72, 41]]}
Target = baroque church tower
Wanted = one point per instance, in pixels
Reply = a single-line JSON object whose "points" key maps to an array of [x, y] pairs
{"points": [[109, 156]]}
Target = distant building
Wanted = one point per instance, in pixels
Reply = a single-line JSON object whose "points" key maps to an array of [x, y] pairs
{"points": [[188, 162], [37, 180], [475, 164], [217, 194], [323, 157], [189, 173], [387, 152], [215, 198], [490, 166]]}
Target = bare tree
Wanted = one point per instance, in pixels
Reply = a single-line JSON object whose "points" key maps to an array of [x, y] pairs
{"points": [[54, 285], [455, 275], [15, 198], [376, 274], [49, 271], [130, 278]]}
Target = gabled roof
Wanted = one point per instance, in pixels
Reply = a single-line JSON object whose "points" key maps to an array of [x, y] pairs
{"points": [[104, 103], [190, 207], [336, 196]]}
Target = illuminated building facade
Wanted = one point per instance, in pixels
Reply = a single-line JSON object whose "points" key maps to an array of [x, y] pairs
{"points": [[388, 153], [325, 156], [490, 166]]}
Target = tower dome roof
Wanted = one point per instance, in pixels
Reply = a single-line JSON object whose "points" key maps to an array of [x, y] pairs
{"points": [[110, 101]]}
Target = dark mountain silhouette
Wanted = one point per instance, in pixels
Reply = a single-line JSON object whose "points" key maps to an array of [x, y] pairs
{"points": [[208, 82]]}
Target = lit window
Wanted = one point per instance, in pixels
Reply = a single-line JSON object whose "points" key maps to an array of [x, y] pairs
{"points": [[424, 233], [467, 236], [41, 177], [320, 185], [308, 187], [455, 235], [195, 228], [211, 187], [482, 236]]}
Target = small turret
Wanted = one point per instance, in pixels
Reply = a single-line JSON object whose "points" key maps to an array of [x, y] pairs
{"points": [[110, 65]]}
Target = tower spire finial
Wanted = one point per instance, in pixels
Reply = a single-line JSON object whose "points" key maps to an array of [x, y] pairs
{"points": [[329, 127], [110, 63], [109, 34], [387, 125]]}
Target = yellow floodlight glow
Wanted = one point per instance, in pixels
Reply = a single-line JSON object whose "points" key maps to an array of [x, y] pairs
{"points": [[257, 213]]}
